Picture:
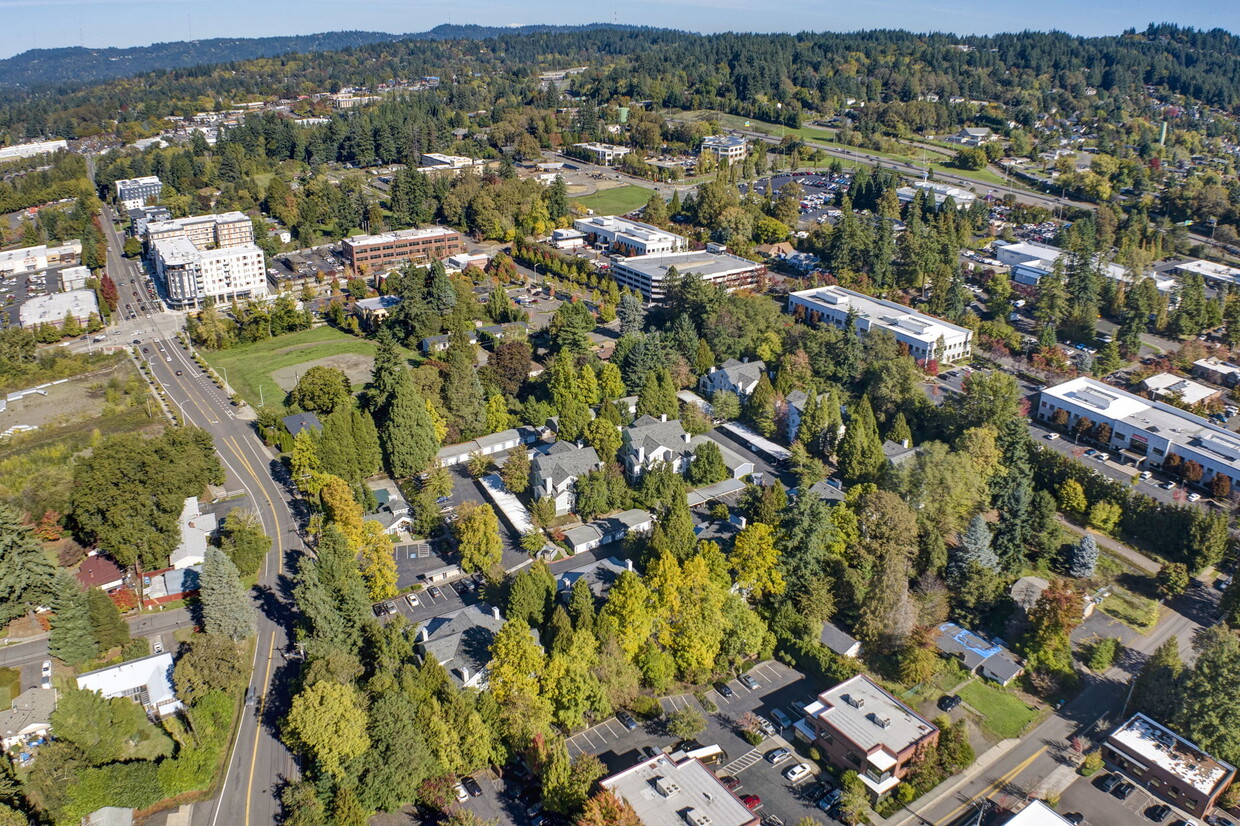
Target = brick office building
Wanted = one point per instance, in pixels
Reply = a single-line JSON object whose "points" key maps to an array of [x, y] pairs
{"points": [[389, 248], [1167, 765]]}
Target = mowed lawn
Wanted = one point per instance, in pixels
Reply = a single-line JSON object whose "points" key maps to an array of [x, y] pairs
{"points": [[1006, 715], [249, 367], [616, 201]]}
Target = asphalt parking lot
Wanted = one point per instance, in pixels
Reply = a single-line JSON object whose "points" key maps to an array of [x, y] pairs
{"points": [[1103, 809], [778, 687]]}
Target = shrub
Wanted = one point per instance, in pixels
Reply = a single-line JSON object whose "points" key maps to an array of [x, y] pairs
{"points": [[1092, 764], [1103, 654], [647, 708]]}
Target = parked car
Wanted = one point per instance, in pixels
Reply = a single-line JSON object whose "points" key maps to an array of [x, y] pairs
{"points": [[47, 668], [650, 752], [461, 794], [749, 682], [1145, 474], [1103, 457], [797, 773], [434, 592], [1109, 782], [1123, 790], [730, 783], [471, 786], [724, 690], [781, 718], [1091, 452], [1179, 821], [1194, 497], [768, 728], [777, 756], [412, 599], [626, 720], [949, 701], [1168, 485], [1158, 813], [751, 801], [1075, 818], [1050, 437]]}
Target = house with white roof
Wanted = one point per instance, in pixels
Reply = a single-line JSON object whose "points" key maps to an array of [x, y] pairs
{"points": [[1168, 765], [196, 529], [147, 681], [1217, 371], [1171, 386], [925, 336], [859, 726]]}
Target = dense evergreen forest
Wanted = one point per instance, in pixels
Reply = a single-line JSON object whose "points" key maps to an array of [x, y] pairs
{"points": [[769, 76]]}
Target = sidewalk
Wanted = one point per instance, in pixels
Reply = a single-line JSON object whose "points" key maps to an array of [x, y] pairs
{"points": [[1132, 557], [947, 787]]}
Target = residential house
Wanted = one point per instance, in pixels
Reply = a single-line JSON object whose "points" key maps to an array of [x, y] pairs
{"points": [[739, 377], [649, 441], [371, 312], [795, 409], [987, 658], [828, 490], [393, 512], [1167, 765], [599, 574], [147, 681], [859, 726], [973, 136], [1217, 371], [608, 529], [554, 473], [29, 719], [683, 791], [898, 453], [839, 641], [169, 585], [100, 572], [488, 445], [196, 528], [461, 642], [302, 421]]}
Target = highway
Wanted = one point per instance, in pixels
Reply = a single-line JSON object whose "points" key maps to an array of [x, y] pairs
{"points": [[1016, 775], [259, 762]]}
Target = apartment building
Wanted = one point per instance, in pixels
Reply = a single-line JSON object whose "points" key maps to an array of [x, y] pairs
{"points": [[1167, 765], [207, 257], [386, 249], [925, 336], [135, 193], [29, 150]]}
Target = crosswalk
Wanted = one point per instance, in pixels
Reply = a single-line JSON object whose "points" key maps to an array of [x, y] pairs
{"points": [[743, 762]]}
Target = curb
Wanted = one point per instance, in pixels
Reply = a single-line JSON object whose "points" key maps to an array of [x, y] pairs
{"points": [[992, 755]]}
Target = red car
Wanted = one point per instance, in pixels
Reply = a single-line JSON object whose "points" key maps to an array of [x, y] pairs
{"points": [[751, 801], [730, 783]]}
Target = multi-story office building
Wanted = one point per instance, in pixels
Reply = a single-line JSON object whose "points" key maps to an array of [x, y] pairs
{"points": [[133, 193], [648, 273], [1169, 766], [388, 248], [207, 257], [925, 336], [604, 153], [730, 148], [629, 237]]}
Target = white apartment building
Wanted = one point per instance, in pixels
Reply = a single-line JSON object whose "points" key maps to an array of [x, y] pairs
{"points": [[1144, 430], [925, 336], [604, 153], [207, 256], [730, 148], [629, 237], [134, 193], [647, 273]]}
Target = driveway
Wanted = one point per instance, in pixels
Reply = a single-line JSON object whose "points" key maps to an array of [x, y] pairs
{"points": [[1102, 809]]}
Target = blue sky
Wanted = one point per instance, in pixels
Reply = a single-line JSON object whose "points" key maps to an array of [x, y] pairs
{"points": [[50, 23]]}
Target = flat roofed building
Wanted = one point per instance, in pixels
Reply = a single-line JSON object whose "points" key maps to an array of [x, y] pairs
{"points": [[147, 681], [604, 153], [1038, 813], [134, 193], [925, 336], [1208, 270], [647, 273], [1029, 261], [730, 148], [207, 257], [1168, 765], [29, 150], [962, 198], [664, 792], [388, 248], [860, 726], [1171, 386], [629, 237], [1217, 371], [56, 307], [1144, 430], [42, 257]]}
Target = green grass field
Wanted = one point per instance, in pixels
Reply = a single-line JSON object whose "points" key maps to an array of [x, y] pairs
{"points": [[1134, 610], [249, 367], [1006, 716], [616, 201]]}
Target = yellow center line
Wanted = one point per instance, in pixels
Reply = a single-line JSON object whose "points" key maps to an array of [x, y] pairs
{"points": [[992, 788]]}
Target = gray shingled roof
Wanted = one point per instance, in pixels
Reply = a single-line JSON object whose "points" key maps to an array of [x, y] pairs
{"points": [[743, 372], [563, 460], [652, 434], [462, 639]]}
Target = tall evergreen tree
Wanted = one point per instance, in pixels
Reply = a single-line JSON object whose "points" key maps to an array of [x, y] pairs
{"points": [[70, 640], [760, 407], [1156, 688], [26, 574], [462, 391], [861, 451], [408, 434], [106, 622], [226, 606]]}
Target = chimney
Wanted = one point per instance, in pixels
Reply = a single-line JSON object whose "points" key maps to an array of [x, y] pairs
{"points": [[686, 437], [495, 612], [713, 368], [464, 674], [628, 563], [663, 417], [423, 634], [904, 443], [744, 359]]}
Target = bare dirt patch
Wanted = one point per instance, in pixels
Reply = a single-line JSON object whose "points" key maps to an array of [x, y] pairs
{"points": [[356, 367], [79, 398]]}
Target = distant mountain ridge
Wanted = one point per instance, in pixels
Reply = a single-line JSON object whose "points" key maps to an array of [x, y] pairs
{"points": [[77, 64]]}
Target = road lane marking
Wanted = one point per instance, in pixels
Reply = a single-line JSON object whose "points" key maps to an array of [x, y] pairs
{"points": [[992, 788]]}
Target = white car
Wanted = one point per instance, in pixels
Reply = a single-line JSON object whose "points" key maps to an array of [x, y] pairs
{"points": [[1194, 497], [461, 794], [412, 599], [797, 773], [1102, 457], [1050, 437], [1145, 474], [47, 668]]}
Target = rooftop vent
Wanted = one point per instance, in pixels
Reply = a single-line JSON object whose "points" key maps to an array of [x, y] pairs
{"points": [[665, 786], [881, 722], [855, 702]]}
